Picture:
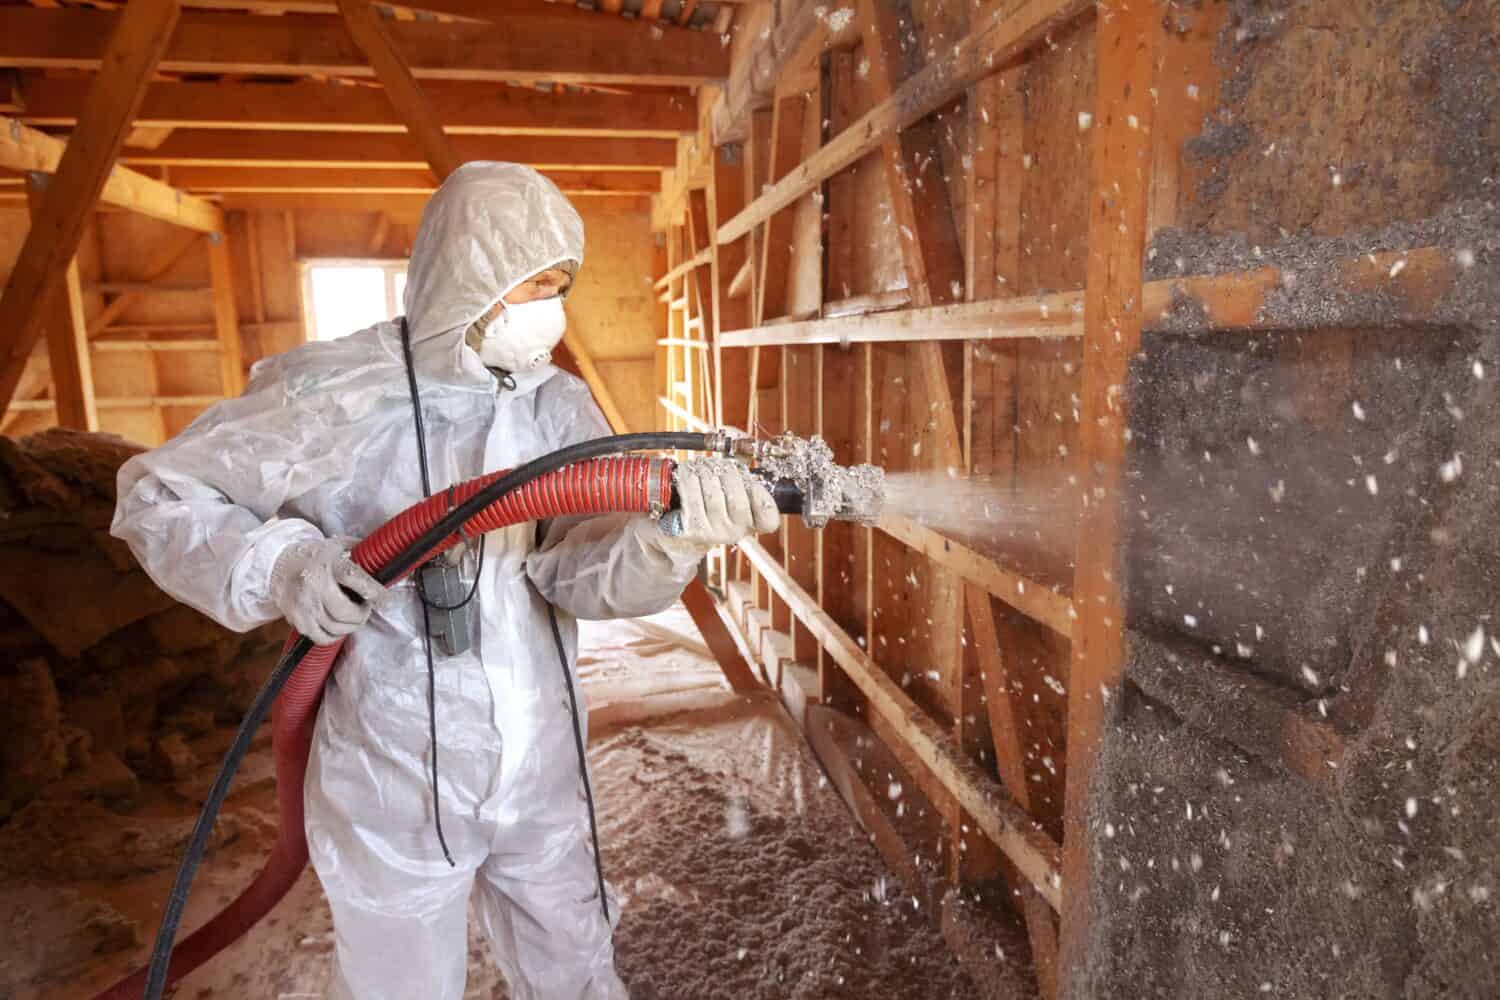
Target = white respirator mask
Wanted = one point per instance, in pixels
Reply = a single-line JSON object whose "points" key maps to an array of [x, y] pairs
{"points": [[521, 337]]}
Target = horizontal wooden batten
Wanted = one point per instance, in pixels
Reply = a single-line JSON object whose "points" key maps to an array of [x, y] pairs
{"points": [[1035, 854], [463, 108], [1232, 301], [1048, 605], [388, 180], [24, 149], [1004, 33], [530, 49], [373, 151], [994, 319], [698, 260]]}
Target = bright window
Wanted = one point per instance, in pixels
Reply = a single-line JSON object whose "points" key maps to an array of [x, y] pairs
{"points": [[343, 296]]}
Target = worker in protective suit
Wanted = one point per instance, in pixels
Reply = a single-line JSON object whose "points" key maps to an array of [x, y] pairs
{"points": [[249, 514]]}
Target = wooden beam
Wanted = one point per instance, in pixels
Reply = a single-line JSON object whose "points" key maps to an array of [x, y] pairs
{"points": [[67, 339], [406, 97], [531, 49], [1119, 192], [368, 151], [133, 50], [775, 247], [704, 611], [1026, 844], [463, 108], [24, 149], [1000, 37], [226, 317]]}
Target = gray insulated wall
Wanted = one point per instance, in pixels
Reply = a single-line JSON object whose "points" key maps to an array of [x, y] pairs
{"points": [[1298, 798]]}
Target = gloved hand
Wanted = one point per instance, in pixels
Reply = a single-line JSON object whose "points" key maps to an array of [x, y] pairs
{"points": [[306, 583], [721, 504]]}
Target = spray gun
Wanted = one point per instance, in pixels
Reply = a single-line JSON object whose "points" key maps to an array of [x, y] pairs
{"points": [[803, 479]]}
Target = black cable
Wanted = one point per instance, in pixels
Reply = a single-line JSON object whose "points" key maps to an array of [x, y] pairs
{"points": [[437, 813], [416, 409], [583, 768], [161, 951]]}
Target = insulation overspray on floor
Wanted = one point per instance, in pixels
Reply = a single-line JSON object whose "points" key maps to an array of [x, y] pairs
{"points": [[740, 872]]}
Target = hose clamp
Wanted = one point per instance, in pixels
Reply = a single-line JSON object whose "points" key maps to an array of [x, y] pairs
{"points": [[656, 472]]}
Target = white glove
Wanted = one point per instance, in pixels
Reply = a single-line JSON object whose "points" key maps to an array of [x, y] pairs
{"points": [[721, 504], [306, 584]]}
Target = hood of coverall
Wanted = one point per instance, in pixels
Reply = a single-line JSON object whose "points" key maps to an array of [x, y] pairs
{"points": [[489, 227]]}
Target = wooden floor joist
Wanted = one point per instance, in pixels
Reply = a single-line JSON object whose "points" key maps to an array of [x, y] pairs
{"points": [[532, 49], [1034, 853]]}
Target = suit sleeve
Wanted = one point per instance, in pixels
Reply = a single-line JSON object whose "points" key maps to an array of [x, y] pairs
{"points": [[200, 512]]}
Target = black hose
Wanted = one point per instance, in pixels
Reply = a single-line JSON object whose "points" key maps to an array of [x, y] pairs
{"points": [[161, 951], [406, 559]]}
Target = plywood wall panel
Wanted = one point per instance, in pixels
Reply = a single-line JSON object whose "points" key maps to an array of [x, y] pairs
{"points": [[612, 306], [1054, 211], [141, 424]]}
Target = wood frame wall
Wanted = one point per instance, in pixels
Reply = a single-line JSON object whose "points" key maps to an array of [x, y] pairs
{"points": [[815, 607]]}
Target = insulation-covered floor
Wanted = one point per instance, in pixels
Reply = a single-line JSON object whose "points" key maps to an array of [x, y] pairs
{"points": [[740, 871]]}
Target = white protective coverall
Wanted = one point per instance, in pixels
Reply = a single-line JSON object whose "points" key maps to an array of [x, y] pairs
{"points": [[322, 444]]}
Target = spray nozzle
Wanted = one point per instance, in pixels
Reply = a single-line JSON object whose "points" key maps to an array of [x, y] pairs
{"points": [[804, 467]]}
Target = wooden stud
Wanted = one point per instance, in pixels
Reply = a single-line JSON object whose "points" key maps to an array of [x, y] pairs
{"points": [[226, 316], [1119, 186], [407, 100], [776, 237], [67, 340], [726, 195], [57, 224]]}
